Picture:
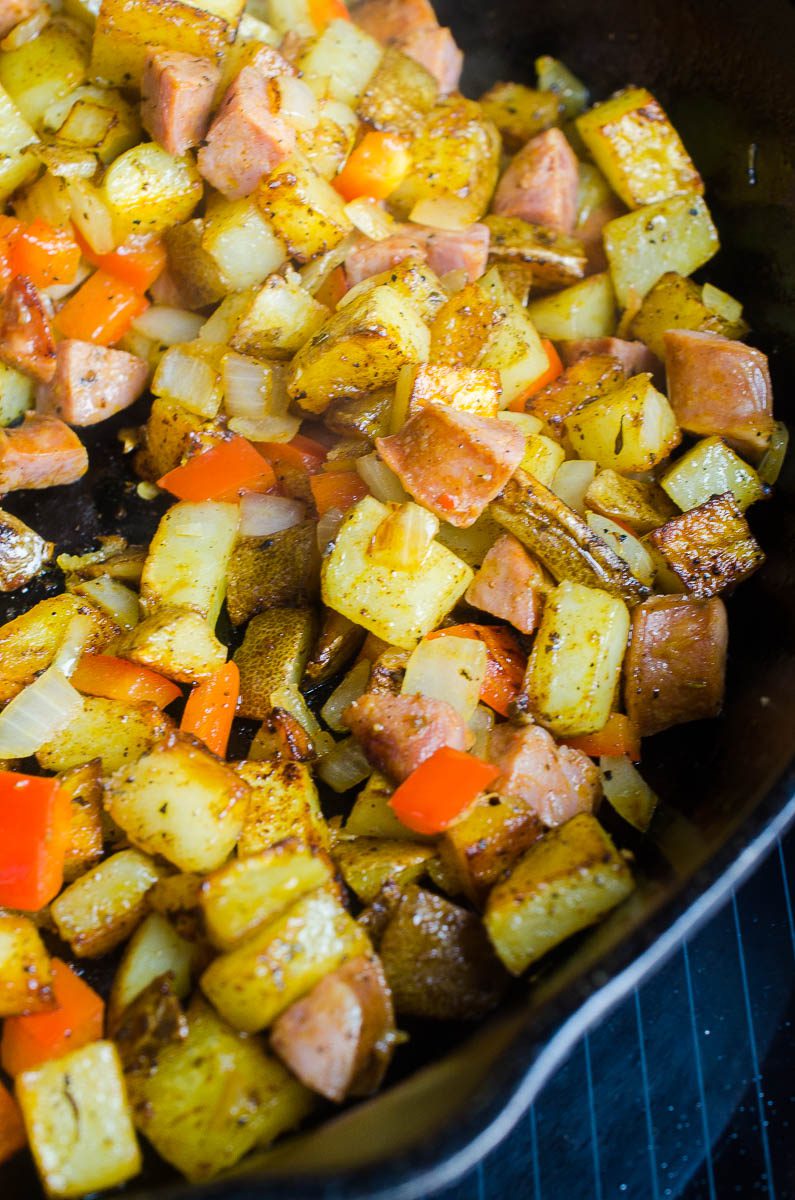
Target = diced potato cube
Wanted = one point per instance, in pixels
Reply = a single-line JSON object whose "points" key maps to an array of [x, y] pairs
{"points": [[399, 606], [467, 389], [399, 94], [327, 146], [341, 63], [213, 1096], [575, 664], [16, 394], [78, 1121], [246, 892], [632, 428], [181, 802], [102, 907], [358, 350], [565, 882], [674, 235], [283, 803], [177, 642], [45, 68], [411, 279], [586, 310], [153, 949], [244, 246], [513, 348], [637, 148], [477, 849], [251, 985], [367, 864], [371, 815], [276, 320], [168, 433], [677, 303], [148, 190], [97, 119], [520, 112], [29, 642], [114, 731], [125, 33], [17, 164], [707, 549], [542, 458], [633, 502], [188, 556], [83, 785], [196, 274], [710, 469], [306, 212], [25, 976]]}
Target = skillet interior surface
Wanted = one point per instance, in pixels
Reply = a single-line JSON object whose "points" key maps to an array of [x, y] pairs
{"points": [[725, 72]]}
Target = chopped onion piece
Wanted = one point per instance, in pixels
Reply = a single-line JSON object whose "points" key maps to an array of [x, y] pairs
{"points": [[454, 281], [445, 212], [253, 389], [297, 103], [114, 598], [26, 30], [328, 528], [572, 480], [450, 669], [59, 291], [626, 546], [481, 723], [168, 326], [352, 687], [315, 273], [75, 639], [291, 700], [403, 539], [261, 515], [190, 380], [266, 429], [382, 482], [91, 215], [344, 766], [722, 303], [769, 468], [370, 218], [628, 793], [38, 714]]}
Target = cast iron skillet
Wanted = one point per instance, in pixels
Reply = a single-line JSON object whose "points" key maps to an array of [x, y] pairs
{"points": [[724, 68]]}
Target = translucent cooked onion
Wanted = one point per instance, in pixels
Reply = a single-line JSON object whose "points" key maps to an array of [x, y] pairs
{"points": [[266, 429], [91, 215], [328, 528], [571, 482], [315, 273], [261, 515], [345, 766], [297, 103], [168, 326], [454, 281], [352, 687], [114, 598], [403, 539], [38, 714], [75, 639], [449, 212], [626, 546], [382, 482], [481, 723], [26, 30], [628, 792], [769, 468], [370, 218], [185, 377], [252, 389], [448, 668]]}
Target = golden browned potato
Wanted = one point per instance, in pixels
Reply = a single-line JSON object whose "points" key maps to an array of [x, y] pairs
{"points": [[274, 320], [399, 95], [367, 863], [283, 803], [631, 429], [115, 732], [29, 642], [125, 34], [167, 435], [84, 787], [706, 549], [520, 112], [678, 303], [102, 908], [555, 259], [304, 209], [587, 379], [186, 566], [478, 849], [176, 642], [153, 950], [25, 975], [634, 502], [22, 552]]}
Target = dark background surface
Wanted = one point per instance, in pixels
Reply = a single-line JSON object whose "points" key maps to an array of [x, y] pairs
{"points": [[687, 1090]]}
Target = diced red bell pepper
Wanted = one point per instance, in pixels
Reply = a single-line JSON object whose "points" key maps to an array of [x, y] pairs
{"points": [[45, 254], [101, 311], [12, 1130], [211, 707], [218, 472], [441, 788], [619, 736], [35, 816], [77, 1020], [138, 262], [301, 454], [118, 679], [337, 489]]}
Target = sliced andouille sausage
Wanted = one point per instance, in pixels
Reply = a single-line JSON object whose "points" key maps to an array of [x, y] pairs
{"points": [[41, 452], [14, 11], [555, 782], [248, 139], [676, 662], [452, 462], [509, 585], [458, 250], [437, 51], [338, 1039], [177, 93], [393, 20], [716, 385], [540, 184], [26, 338], [635, 357], [91, 383], [400, 732], [369, 258], [589, 232]]}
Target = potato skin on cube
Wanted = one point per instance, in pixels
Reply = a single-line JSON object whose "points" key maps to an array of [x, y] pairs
{"points": [[79, 1122], [399, 606], [180, 801], [565, 882], [273, 654]]}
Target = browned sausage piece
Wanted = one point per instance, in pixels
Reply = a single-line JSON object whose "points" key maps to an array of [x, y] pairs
{"points": [[716, 385], [436, 50], [589, 232], [461, 250], [453, 462], [26, 339], [369, 258], [635, 357], [555, 782], [676, 662], [14, 11], [247, 140], [509, 585], [41, 452], [177, 93], [393, 20], [540, 184], [400, 732], [338, 1040], [91, 383]]}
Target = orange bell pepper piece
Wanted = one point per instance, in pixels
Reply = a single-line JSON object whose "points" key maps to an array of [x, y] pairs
{"points": [[76, 1021], [322, 12], [337, 489], [12, 1130], [553, 369], [35, 816], [333, 289], [619, 736], [138, 261], [375, 168], [100, 311], [301, 454], [10, 230], [211, 707], [45, 254], [118, 679], [441, 788], [219, 471], [505, 666]]}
